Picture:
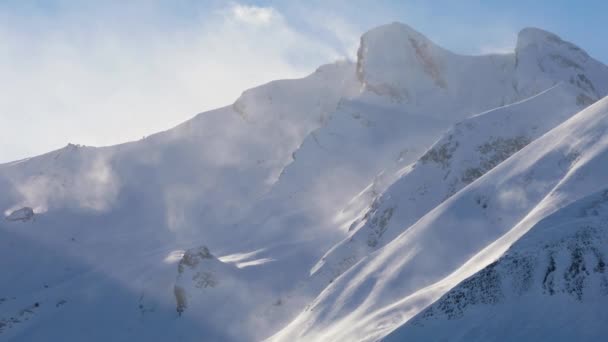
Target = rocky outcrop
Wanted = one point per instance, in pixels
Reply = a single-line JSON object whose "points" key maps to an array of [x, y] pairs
{"points": [[24, 214]]}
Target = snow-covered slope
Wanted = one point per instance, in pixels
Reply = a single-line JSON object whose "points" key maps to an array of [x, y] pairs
{"points": [[463, 154], [211, 229], [370, 132], [122, 214], [375, 130], [221, 160], [462, 235], [498, 78], [550, 285]]}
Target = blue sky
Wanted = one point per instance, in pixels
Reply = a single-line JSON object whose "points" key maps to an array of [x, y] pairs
{"points": [[103, 72]]}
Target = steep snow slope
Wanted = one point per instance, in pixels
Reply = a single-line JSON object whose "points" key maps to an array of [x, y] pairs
{"points": [[550, 285], [371, 131], [462, 235], [540, 60], [219, 161], [509, 77], [378, 129], [117, 222], [464, 153], [122, 214]]}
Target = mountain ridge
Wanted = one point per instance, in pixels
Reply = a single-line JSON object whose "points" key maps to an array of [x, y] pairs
{"points": [[390, 285]]}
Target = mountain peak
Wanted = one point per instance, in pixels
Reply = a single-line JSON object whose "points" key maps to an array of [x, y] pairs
{"points": [[538, 34], [395, 29], [541, 52], [394, 57], [532, 37]]}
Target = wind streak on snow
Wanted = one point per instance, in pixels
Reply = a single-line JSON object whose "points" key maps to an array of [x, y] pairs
{"points": [[239, 257], [256, 262]]}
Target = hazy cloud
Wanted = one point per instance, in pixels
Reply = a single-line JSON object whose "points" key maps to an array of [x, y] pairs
{"points": [[99, 75], [253, 15]]}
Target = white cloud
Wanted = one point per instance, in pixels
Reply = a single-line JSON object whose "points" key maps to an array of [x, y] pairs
{"points": [[254, 15], [100, 76]]}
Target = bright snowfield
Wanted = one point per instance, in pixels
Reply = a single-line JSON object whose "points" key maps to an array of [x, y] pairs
{"points": [[464, 234], [556, 271], [331, 208]]}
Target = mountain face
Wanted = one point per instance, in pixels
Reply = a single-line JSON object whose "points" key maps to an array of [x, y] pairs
{"points": [[464, 153], [462, 235], [550, 285], [333, 207], [124, 214]]}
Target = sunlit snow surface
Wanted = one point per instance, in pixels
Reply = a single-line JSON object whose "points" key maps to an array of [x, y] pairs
{"points": [[466, 233]]}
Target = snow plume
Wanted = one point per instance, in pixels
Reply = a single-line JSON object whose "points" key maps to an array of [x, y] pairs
{"points": [[90, 183]]}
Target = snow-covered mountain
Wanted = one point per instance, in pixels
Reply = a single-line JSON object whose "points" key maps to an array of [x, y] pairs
{"points": [[124, 214], [462, 235], [550, 285], [347, 186], [464, 153]]}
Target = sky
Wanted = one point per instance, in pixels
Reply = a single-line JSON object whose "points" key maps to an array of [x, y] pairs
{"points": [[105, 72]]}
